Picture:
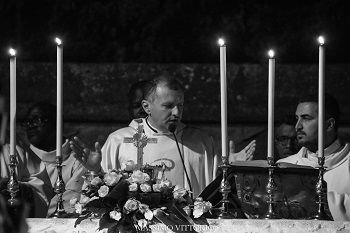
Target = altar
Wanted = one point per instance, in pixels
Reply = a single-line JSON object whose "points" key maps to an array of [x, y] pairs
{"points": [[63, 225]]}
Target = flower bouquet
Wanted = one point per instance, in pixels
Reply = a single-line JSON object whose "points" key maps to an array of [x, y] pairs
{"points": [[130, 200]]}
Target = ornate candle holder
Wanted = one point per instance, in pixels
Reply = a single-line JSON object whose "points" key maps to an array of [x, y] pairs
{"points": [[271, 189], [59, 190], [225, 189], [12, 185], [321, 190]]}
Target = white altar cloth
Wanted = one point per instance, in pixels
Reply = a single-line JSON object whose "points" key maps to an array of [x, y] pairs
{"points": [[215, 226]]}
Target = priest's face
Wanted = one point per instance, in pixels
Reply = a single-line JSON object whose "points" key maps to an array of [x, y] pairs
{"points": [[307, 125], [165, 107], [38, 128]]}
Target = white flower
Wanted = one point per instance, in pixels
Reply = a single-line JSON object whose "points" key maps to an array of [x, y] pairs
{"points": [[201, 207], [157, 188], [165, 183], [103, 191], [139, 177], [96, 181], [197, 213], [129, 165], [131, 205], [84, 199], [115, 215], [142, 223], [112, 178], [148, 214], [78, 208], [179, 193], [73, 201], [146, 188], [133, 187]]}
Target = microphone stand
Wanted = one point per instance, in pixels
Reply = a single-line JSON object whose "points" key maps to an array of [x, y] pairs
{"points": [[172, 129]]}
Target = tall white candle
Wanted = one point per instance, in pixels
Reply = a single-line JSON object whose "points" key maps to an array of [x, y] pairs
{"points": [[321, 97], [12, 102], [223, 93], [271, 106], [59, 124]]}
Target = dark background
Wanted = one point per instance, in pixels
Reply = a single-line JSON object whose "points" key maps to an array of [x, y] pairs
{"points": [[111, 44], [177, 31]]}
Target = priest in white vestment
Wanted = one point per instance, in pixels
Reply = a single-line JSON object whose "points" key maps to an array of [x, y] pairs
{"points": [[337, 162], [40, 127], [163, 102]]}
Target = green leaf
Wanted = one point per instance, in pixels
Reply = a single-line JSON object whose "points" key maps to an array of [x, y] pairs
{"points": [[99, 206], [81, 218], [180, 213], [107, 222]]}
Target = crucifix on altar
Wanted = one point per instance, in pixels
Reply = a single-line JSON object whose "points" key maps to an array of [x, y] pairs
{"points": [[140, 140]]}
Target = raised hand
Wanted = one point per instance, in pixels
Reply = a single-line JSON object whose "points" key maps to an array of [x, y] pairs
{"points": [[91, 160], [246, 154]]}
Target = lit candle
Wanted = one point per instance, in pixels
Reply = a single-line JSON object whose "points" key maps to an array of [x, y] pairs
{"points": [[271, 106], [12, 101], [59, 98], [223, 92], [321, 97]]}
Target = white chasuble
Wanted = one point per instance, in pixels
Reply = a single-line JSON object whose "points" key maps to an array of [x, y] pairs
{"points": [[72, 172], [197, 149]]}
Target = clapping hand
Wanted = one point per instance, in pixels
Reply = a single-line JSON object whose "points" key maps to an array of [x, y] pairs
{"points": [[246, 154], [91, 160]]}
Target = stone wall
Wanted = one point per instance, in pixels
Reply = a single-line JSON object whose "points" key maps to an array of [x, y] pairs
{"points": [[95, 95]]}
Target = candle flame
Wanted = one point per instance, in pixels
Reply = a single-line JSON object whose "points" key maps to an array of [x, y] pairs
{"points": [[58, 41], [321, 40], [12, 52], [271, 53], [221, 42]]}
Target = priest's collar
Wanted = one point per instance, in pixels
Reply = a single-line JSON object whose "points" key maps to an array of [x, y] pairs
{"points": [[50, 156], [329, 151], [151, 129], [150, 126], [154, 129]]}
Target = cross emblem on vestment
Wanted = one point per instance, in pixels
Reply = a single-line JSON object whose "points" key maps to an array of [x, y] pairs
{"points": [[139, 140]]}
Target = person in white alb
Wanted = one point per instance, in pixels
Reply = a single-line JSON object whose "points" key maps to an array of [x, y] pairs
{"points": [[337, 162], [40, 127], [150, 140]]}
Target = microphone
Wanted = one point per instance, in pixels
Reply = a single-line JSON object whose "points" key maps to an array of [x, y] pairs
{"points": [[172, 128]]}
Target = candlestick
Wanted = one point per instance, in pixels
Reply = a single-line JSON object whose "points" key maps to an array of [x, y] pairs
{"points": [[13, 185], [12, 101], [223, 92], [321, 97], [271, 106], [59, 187], [225, 187], [321, 186], [59, 97]]}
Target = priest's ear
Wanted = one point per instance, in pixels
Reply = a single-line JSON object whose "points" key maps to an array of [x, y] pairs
{"points": [[330, 124], [146, 106]]}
